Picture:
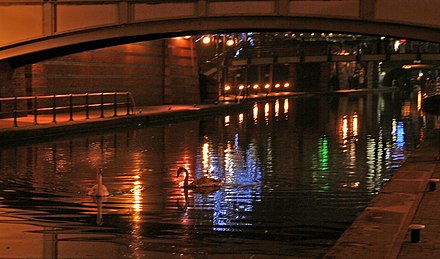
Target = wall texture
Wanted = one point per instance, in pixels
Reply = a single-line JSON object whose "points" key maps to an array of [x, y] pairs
{"points": [[155, 72]]}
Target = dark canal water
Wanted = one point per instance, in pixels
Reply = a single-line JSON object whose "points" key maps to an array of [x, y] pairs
{"points": [[296, 172]]}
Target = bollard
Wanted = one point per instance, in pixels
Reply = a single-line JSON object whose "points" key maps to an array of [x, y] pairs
{"points": [[87, 106], [115, 104], [415, 232], [71, 107], [54, 109], [128, 104], [433, 184], [15, 112], [35, 110]]}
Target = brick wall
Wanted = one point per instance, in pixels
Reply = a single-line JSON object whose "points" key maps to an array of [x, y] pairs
{"points": [[155, 72]]}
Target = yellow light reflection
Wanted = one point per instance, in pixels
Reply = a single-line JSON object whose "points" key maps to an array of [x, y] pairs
{"points": [[277, 108], [406, 109], [227, 120], [355, 125], [137, 198], [240, 118], [286, 106], [266, 110], [419, 100], [205, 156], [229, 160], [355, 184], [255, 112], [345, 128]]}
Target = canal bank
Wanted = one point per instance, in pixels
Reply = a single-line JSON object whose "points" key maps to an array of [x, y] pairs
{"points": [[49, 126], [382, 229]]}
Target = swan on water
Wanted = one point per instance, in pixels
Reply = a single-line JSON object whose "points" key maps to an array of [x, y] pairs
{"points": [[99, 189], [203, 182]]}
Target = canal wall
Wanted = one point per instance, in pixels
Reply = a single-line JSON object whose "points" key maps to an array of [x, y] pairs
{"points": [[382, 228], [155, 72]]}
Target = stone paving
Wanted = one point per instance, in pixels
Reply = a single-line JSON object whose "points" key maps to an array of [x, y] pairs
{"points": [[382, 229], [428, 214]]}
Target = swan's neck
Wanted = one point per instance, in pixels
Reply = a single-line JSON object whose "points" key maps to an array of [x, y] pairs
{"points": [[186, 180], [99, 180]]}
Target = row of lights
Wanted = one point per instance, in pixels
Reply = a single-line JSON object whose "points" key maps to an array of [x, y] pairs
{"points": [[208, 39], [257, 86]]}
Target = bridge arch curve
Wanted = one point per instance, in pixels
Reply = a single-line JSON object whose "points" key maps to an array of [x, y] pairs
{"points": [[125, 22]]}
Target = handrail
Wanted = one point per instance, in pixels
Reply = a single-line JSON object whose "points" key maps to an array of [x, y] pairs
{"points": [[20, 106]]}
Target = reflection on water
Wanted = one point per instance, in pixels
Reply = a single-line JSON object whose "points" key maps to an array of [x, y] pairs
{"points": [[295, 174]]}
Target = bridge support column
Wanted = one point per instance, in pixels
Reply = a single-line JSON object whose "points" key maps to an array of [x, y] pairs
{"points": [[292, 77], [324, 77], [166, 79], [372, 74], [12, 83], [10, 79], [180, 72]]}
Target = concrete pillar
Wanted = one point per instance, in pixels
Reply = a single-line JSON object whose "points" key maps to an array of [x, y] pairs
{"points": [[12, 83], [282, 7], [367, 9], [181, 82], [167, 96], [125, 12], [49, 18], [372, 74], [6, 76], [202, 8], [324, 77], [292, 77]]}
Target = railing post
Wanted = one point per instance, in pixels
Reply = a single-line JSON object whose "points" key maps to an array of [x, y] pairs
{"points": [[102, 105], [115, 105], [87, 106], [35, 110], [54, 109], [128, 103], [15, 112], [71, 106]]}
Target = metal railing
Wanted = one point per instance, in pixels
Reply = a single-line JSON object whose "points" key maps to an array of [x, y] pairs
{"points": [[69, 104]]}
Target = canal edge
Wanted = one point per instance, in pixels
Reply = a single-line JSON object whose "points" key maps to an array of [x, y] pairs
{"points": [[381, 229]]}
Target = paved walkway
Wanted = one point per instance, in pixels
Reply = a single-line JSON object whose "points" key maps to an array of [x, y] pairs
{"points": [[381, 230], [428, 214]]}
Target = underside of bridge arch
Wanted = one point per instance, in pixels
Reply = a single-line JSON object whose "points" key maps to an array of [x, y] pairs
{"points": [[67, 43], [29, 67]]}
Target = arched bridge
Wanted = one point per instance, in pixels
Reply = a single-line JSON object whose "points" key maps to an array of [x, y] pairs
{"points": [[33, 30]]}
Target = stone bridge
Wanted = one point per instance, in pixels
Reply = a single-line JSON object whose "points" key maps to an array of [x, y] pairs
{"points": [[34, 30]]}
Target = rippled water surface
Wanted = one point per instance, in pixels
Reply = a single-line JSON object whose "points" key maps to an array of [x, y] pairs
{"points": [[295, 174]]}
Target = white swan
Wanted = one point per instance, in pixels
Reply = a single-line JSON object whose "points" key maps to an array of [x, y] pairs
{"points": [[99, 189], [204, 182]]}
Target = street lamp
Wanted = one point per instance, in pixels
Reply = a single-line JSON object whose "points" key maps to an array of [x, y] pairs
{"points": [[266, 87], [227, 89], [206, 39]]}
